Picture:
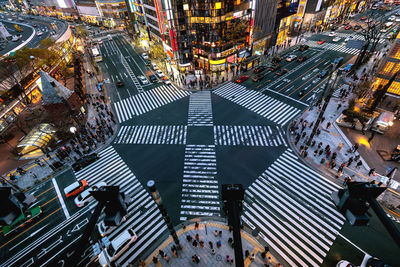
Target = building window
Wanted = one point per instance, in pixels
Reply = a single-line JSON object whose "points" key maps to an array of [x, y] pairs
{"points": [[218, 5], [186, 7]]}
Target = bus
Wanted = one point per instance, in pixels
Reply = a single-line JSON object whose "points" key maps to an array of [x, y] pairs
{"points": [[96, 54]]}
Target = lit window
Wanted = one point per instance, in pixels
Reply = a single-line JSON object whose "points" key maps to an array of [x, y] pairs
{"points": [[218, 5], [186, 7]]}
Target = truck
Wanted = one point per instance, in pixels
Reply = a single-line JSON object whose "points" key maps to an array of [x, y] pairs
{"points": [[17, 27], [23, 219]]}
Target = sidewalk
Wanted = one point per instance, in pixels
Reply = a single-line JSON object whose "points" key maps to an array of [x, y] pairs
{"points": [[206, 234]]}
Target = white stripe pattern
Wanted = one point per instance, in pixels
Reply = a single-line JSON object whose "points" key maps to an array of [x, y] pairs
{"points": [[290, 204], [248, 135], [143, 215], [149, 100], [268, 107], [355, 36], [334, 47], [200, 109], [200, 192], [152, 135]]}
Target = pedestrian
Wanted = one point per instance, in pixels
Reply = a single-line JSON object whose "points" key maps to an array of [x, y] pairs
{"points": [[315, 153], [230, 240], [220, 233], [228, 258], [161, 252], [155, 260], [359, 163], [230, 228], [305, 154], [142, 263], [311, 124], [196, 226], [356, 158], [194, 243], [327, 148], [218, 243], [322, 119], [328, 125], [201, 244], [303, 134], [322, 161], [212, 252], [345, 180], [183, 226], [197, 237], [313, 143], [334, 154], [319, 145], [318, 132], [320, 152], [211, 244], [166, 258], [246, 253], [355, 147], [216, 233], [371, 137], [371, 171], [339, 106], [263, 254], [349, 161], [189, 238], [297, 139]]}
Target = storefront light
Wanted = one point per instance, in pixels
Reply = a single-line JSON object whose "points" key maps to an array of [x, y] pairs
{"points": [[218, 5], [186, 7]]}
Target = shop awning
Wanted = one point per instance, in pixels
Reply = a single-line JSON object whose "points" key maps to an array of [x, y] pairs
{"points": [[36, 139]]}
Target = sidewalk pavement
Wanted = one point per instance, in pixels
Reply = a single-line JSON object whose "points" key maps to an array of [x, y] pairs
{"points": [[99, 125], [206, 232]]}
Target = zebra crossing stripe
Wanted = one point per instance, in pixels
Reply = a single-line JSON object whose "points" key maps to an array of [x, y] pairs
{"points": [[247, 135], [149, 100], [290, 203], [200, 109], [268, 107], [200, 190], [152, 134]]}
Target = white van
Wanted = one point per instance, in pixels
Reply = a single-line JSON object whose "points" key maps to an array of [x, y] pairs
{"points": [[383, 122], [117, 246]]}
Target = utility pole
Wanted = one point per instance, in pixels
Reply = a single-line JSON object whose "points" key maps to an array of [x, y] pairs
{"points": [[326, 102]]}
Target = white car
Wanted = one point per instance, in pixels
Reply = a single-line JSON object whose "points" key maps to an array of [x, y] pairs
{"points": [[336, 39], [397, 19], [39, 33], [159, 73], [154, 66], [331, 34], [348, 38], [117, 247], [143, 80], [392, 18], [166, 81], [105, 230], [290, 58], [145, 56], [85, 197]]}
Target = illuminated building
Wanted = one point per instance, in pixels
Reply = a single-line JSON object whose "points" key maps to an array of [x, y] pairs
{"points": [[88, 11], [389, 65], [113, 12], [285, 14], [264, 24]]}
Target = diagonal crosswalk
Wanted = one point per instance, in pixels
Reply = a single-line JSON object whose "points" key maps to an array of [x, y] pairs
{"points": [[200, 109], [149, 100], [200, 192], [152, 135], [248, 135], [290, 205], [143, 214], [268, 107]]}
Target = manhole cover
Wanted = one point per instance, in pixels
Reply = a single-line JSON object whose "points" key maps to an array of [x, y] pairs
{"points": [[218, 257]]}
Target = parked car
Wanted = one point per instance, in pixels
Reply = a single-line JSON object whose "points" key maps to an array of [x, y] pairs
{"points": [[143, 80], [166, 81], [336, 39], [75, 188], [331, 34], [120, 83], [117, 247], [348, 27], [321, 41], [274, 67], [145, 56], [303, 47], [290, 58], [241, 78], [159, 74], [281, 72], [392, 18], [363, 18], [84, 161], [85, 197], [154, 66], [323, 73], [153, 78], [147, 62], [258, 77], [259, 69], [301, 59]]}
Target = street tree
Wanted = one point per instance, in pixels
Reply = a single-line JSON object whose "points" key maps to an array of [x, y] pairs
{"points": [[10, 78], [46, 43], [379, 94], [81, 32]]}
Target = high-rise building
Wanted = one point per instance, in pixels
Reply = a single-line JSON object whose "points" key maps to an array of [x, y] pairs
{"points": [[264, 24], [114, 13]]}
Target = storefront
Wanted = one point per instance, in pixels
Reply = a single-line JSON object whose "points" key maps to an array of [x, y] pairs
{"points": [[34, 144]]}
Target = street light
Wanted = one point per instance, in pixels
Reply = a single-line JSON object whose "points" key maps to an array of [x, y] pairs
{"points": [[73, 129]]}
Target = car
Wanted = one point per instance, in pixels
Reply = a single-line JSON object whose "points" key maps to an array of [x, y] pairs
{"points": [[348, 27], [154, 66], [388, 24], [84, 161], [348, 67], [34, 25], [383, 30], [75, 188], [374, 7], [276, 59], [337, 61], [9, 19], [331, 34], [321, 42], [303, 47], [290, 58], [147, 62], [104, 229], [392, 18], [100, 42], [109, 38], [336, 39], [120, 83], [258, 69], [159, 74], [166, 81], [143, 80], [363, 18], [241, 78], [323, 73], [145, 56], [85, 197], [301, 59], [281, 72], [117, 247], [274, 67], [357, 27], [39, 33], [153, 78], [348, 38], [258, 77], [15, 38], [302, 92]]}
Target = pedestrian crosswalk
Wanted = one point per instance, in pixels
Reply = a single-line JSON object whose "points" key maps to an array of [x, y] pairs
{"points": [[141, 103], [152, 135], [143, 214], [268, 107], [248, 135], [200, 109], [334, 47], [200, 192], [289, 204], [354, 36]]}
